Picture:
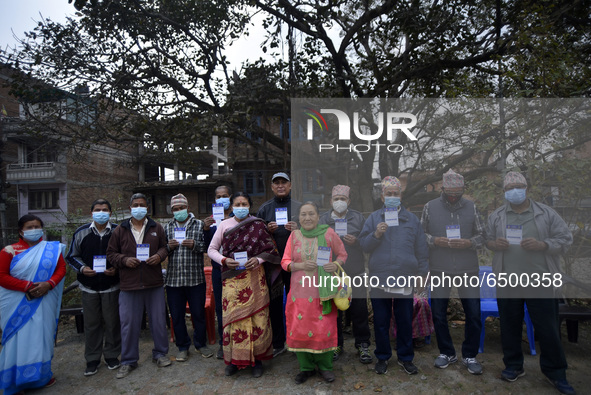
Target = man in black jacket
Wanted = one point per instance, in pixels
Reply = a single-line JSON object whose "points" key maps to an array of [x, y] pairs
{"points": [[99, 283]]}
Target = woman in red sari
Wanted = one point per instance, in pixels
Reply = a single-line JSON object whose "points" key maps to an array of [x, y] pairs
{"points": [[241, 244], [311, 316]]}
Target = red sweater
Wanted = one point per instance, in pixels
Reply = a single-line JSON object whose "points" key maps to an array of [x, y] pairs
{"points": [[14, 284]]}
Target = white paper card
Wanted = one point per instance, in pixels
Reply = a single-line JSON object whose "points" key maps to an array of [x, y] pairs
{"points": [[453, 232], [241, 257], [142, 252], [218, 213], [99, 263], [323, 256], [391, 216], [340, 226], [281, 216], [180, 234], [514, 234]]}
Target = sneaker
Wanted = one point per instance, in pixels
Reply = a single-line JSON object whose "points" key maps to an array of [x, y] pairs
{"points": [[112, 363], [512, 375], [562, 386], [337, 353], [327, 375], [220, 353], [91, 368], [364, 355], [231, 370], [303, 376], [278, 351], [473, 366], [408, 367], [124, 371], [205, 352], [162, 361], [443, 361], [182, 355], [381, 367]]}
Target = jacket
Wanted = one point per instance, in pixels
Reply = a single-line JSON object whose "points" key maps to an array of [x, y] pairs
{"points": [[122, 246], [402, 251], [267, 213]]}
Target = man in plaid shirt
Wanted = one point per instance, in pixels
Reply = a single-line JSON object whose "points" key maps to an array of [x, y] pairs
{"points": [[185, 280]]}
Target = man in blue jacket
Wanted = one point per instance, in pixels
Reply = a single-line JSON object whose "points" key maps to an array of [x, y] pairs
{"points": [[399, 259]]}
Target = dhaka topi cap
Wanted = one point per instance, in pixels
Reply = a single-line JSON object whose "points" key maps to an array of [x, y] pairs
{"points": [[390, 181], [280, 175], [341, 190], [451, 179], [179, 200], [514, 177]]}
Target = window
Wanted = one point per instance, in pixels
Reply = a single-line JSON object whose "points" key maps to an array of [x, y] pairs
{"points": [[44, 200], [254, 183], [206, 199]]}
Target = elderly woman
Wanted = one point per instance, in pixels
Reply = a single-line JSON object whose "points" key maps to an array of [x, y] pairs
{"points": [[31, 280], [241, 244], [311, 315]]}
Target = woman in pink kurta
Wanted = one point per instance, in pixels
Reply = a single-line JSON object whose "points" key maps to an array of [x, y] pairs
{"points": [[311, 316]]}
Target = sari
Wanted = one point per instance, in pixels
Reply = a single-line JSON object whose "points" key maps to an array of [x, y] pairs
{"points": [[29, 326], [247, 333]]}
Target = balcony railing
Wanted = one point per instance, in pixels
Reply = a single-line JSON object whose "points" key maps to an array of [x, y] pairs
{"points": [[27, 172]]}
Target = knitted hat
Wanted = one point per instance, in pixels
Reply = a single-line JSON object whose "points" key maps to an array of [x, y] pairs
{"points": [[342, 190], [390, 181], [179, 200], [514, 177], [451, 179]]}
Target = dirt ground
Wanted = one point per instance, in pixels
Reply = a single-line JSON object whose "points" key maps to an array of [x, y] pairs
{"points": [[199, 375]]}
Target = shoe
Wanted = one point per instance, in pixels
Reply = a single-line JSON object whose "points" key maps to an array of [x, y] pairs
{"points": [[50, 383], [278, 351], [231, 370], [562, 386], [257, 370], [124, 371], [364, 355], [381, 367], [473, 366], [162, 361], [182, 355], [327, 375], [303, 376], [408, 366], [337, 353], [112, 363], [205, 352], [220, 353], [512, 375], [443, 361], [91, 368]]}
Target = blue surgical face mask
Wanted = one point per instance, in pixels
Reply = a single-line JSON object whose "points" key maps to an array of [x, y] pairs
{"points": [[240, 212], [139, 212], [181, 215], [391, 201], [100, 217], [33, 234], [515, 195], [224, 201]]}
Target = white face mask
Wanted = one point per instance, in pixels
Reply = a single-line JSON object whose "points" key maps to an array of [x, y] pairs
{"points": [[340, 206]]}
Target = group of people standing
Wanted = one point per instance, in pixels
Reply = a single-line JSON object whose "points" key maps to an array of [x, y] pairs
{"points": [[259, 263]]}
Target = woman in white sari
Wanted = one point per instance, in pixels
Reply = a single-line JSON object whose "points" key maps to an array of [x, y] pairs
{"points": [[31, 284]]}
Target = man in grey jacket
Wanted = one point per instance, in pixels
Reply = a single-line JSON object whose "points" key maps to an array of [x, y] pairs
{"points": [[528, 239], [454, 231]]}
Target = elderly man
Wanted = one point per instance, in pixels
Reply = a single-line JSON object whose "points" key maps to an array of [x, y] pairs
{"points": [[137, 248], [528, 238], [185, 280], [278, 212], [454, 230], [99, 286], [399, 252], [350, 222]]}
